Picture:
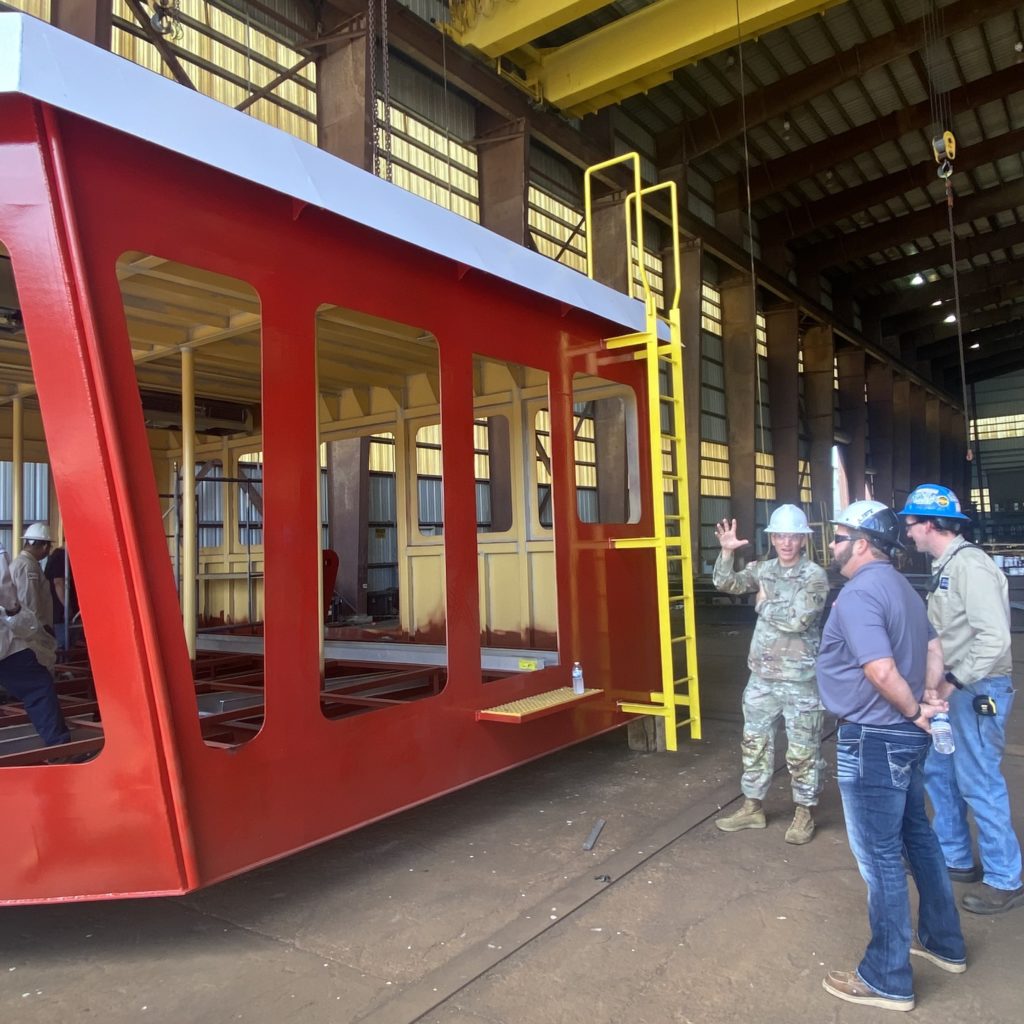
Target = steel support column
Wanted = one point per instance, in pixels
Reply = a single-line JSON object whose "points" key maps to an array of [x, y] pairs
{"points": [[691, 271], [17, 473], [90, 20], [820, 405], [881, 429], [901, 440], [933, 439], [854, 417], [345, 114], [503, 154], [783, 331], [609, 243], [918, 437], [190, 537], [738, 324], [348, 511]]}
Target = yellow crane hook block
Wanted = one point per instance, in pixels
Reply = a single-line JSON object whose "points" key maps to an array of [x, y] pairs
{"points": [[944, 148]]}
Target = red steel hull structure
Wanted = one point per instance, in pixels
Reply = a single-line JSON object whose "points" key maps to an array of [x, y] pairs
{"points": [[160, 810]]}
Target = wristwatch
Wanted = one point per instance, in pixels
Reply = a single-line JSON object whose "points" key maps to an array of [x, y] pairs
{"points": [[915, 716]]}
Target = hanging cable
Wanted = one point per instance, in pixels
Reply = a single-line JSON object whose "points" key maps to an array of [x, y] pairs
{"points": [[944, 150], [750, 247]]}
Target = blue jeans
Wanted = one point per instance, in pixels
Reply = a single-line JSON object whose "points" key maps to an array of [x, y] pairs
{"points": [[972, 778], [26, 680], [882, 785]]}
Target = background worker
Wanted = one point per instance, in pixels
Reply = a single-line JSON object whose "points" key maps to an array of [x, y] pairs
{"points": [[791, 592], [969, 608], [62, 595], [27, 656], [878, 652], [33, 590]]}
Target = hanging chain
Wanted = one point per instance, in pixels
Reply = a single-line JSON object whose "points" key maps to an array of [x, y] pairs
{"points": [[371, 48], [385, 63]]}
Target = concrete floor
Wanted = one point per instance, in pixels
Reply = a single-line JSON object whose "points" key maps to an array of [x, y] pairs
{"points": [[483, 907]]}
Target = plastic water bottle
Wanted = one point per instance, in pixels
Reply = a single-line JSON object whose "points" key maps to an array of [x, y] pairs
{"points": [[942, 734], [577, 678]]}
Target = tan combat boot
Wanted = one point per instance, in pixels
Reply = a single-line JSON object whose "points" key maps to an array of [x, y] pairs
{"points": [[750, 815], [802, 829]]}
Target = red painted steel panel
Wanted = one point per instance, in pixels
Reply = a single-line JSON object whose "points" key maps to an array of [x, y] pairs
{"points": [[159, 810]]}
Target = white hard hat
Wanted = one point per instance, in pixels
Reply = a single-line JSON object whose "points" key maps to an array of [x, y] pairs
{"points": [[37, 532], [788, 519]]}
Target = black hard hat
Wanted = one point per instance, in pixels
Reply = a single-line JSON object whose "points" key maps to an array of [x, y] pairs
{"points": [[878, 521]]}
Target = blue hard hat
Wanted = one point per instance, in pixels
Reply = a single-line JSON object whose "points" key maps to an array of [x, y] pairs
{"points": [[933, 500]]}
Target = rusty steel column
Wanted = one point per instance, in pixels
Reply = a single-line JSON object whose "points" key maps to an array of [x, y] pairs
{"points": [[881, 419], [820, 404], [740, 360], [853, 416], [503, 154], [783, 332], [345, 114], [901, 441]]}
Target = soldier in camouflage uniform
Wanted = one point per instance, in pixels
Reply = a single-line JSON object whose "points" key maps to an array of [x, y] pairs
{"points": [[791, 592]]}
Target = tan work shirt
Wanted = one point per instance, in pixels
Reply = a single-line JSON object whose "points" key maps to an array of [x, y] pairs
{"points": [[33, 587], [969, 608]]}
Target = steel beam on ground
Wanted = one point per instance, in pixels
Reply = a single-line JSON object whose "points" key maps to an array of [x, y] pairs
{"points": [[493, 659]]}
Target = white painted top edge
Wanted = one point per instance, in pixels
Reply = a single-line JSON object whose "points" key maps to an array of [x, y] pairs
{"points": [[65, 72]]}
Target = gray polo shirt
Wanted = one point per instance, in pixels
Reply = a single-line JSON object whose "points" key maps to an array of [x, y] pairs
{"points": [[876, 615]]}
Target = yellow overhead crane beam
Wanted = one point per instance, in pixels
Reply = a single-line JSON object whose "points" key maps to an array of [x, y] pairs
{"points": [[495, 27], [627, 56]]}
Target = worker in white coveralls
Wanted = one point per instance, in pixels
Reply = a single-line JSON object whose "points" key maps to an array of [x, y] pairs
{"points": [[791, 592]]}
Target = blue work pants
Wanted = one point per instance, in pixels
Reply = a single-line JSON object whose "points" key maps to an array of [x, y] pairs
{"points": [[972, 778]]}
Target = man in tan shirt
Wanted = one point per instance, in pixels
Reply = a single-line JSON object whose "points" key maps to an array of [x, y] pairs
{"points": [[969, 609]]}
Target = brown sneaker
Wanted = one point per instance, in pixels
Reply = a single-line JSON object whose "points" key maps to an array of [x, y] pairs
{"points": [[750, 815], [950, 966], [847, 985], [802, 829], [987, 899]]}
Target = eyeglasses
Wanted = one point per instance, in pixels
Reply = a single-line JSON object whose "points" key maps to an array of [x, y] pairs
{"points": [[842, 538]]}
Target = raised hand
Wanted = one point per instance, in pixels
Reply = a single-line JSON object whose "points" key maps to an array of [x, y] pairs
{"points": [[725, 531]]}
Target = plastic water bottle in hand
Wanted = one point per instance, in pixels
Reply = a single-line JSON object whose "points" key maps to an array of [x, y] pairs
{"points": [[577, 678], [942, 734]]}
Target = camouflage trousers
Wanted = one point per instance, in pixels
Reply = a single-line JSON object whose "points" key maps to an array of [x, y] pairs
{"points": [[765, 701]]}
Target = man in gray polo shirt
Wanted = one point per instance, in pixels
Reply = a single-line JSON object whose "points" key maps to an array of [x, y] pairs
{"points": [[877, 652]]}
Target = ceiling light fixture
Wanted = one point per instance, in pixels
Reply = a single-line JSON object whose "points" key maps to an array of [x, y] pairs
{"points": [[917, 279], [937, 302], [951, 319], [977, 344]]}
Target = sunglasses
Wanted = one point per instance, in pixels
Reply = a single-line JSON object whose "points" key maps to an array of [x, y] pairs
{"points": [[842, 538]]}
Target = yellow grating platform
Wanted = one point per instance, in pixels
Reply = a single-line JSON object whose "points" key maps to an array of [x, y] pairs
{"points": [[540, 704]]}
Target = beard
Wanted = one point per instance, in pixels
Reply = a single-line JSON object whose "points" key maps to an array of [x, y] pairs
{"points": [[835, 567]]}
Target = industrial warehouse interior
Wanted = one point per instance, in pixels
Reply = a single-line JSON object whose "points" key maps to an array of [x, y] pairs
{"points": [[383, 385]]}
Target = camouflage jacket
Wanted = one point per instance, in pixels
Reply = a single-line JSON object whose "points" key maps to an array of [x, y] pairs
{"points": [[789, 605]]}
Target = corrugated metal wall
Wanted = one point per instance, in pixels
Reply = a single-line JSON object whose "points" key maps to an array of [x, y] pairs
{"points": [[36, 508]]}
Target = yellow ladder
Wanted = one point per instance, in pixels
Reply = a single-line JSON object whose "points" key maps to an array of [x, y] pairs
{"points": [[677, 634]]}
